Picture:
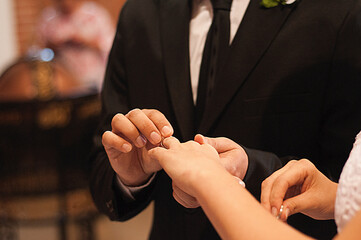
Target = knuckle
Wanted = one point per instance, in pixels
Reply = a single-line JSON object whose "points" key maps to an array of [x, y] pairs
{"points": [[150, 112], [147, 111], [154, 114], [105, 134], [232, 169], [292, 162], [106, 139], [265, 183], [306, 163], [133, 113], [117, 117]]}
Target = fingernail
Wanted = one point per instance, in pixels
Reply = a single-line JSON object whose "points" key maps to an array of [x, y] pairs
{"points": [[287, 213], [166, 131], [274, 211], [155, 137], [141, 141], [126, 148]]}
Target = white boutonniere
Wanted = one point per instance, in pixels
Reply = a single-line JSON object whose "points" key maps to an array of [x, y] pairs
{"points": [[275, 3]]}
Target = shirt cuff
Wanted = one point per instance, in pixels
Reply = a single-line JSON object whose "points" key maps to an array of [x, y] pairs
{"points": [[130, 192]]}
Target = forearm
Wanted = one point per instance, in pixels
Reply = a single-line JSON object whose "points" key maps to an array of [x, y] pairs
{"points": [[235, 213]]}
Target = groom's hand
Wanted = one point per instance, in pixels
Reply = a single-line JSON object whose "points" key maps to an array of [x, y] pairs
{"points": [[129, 141], [233, 157]]}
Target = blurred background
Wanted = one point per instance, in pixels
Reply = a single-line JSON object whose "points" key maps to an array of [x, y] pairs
{"points": [[53, 55]]}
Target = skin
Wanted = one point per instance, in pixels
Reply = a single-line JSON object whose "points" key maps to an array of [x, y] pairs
{"points": [[135, 133], [299, 187], [128, 143], [233, 211]]}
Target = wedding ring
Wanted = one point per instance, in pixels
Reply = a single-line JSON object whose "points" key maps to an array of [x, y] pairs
{"points": [[161, 143], [280, 212]]}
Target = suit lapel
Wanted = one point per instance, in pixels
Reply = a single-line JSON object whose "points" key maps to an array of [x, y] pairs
{"points": [[255, 34], [174, 20]]}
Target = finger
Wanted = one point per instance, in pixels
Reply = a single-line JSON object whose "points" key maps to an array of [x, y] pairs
{"points": [[268, 184], [184, 198], [160, 121], [232, 156], [159, 154], [111, 140], [294, 179], [121, 125], [294, 205], [178, 199], [171, 142], [145, 125], [200, 139], [266, 188], [221, 144], [152, 164], [294, 176]]}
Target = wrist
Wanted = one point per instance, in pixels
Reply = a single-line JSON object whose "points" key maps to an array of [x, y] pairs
{"points": [[134, 181], [332, 201], [208, 181]]}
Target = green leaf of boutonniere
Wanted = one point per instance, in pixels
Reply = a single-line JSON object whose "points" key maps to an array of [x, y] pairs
{"points": [[272, 3]]}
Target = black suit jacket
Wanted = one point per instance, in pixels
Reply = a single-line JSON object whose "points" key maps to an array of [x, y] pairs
{"points": [[289, 89]]}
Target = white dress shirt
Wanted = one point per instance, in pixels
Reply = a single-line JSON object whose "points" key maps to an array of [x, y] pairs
{"points": [[201, 20], [200, 23]]}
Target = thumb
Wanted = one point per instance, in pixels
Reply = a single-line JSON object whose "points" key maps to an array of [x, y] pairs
{"points": [[200, 139], [221, 144], [295, 205]]}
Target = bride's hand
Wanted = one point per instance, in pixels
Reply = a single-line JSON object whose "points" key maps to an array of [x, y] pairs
{"points": [[300, 187], [232, 157], [188, 164]]}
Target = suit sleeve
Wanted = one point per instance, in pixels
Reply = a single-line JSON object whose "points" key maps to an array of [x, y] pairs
{"points": [[262, 164], [106, 194]]}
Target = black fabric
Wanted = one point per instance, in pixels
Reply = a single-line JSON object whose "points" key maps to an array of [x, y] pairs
{"points": [[215, 51], [290, 87], [44, 144]]}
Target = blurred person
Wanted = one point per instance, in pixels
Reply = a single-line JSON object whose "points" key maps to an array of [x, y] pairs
{"points": [[299, 186], [81, 34]]}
